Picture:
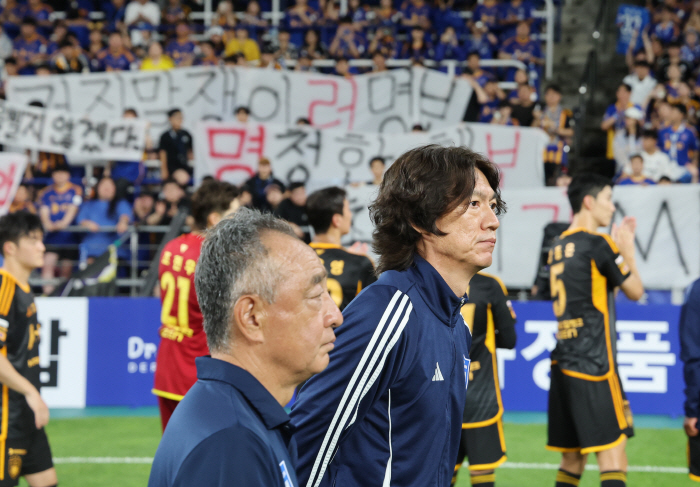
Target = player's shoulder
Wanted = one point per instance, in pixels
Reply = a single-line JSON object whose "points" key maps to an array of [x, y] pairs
{"points": [[604, 241], [48, 190], [494, 282]]}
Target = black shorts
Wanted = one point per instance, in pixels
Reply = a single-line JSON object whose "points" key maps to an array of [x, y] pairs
{"points": [[24, 456], [586, 416], [694, 458], [485, 446]]}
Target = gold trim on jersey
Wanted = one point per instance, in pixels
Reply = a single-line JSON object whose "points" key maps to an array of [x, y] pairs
{"points": [[3, 422], [693, 477], [23, 287], [7, 293], [489, 466], [167, 395], [497, 279], [359, 287], [321, 245]]}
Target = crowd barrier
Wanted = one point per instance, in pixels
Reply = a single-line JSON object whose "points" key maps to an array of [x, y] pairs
{"points": [[102, 352]]}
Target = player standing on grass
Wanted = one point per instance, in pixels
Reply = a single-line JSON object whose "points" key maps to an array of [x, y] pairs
{"points": [[588, 410], [330, 216], [181, 331], [491, 320], [690, 355], [24, 447], [388, 409]]}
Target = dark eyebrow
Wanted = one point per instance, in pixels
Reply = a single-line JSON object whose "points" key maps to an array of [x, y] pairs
{"points": [[318, 278], [480, 195]]}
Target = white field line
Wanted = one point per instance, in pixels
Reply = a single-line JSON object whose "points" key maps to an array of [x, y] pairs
{"points": [[513, 465]]}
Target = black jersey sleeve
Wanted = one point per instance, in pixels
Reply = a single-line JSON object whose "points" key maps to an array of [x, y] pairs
{"points": [[609, 261], [367, 275], [7, 295], [503, 316]]}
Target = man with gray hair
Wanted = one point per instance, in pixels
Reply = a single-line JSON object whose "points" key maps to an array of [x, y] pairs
{"points": [[269, 322]]}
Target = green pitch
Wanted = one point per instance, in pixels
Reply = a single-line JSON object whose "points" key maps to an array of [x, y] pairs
{"points": [[135, 439]]}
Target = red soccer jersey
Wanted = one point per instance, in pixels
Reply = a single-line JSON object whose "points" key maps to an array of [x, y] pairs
{"points": [[181, 331]]}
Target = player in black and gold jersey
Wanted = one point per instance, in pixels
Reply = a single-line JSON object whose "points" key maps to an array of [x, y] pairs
{"points": [[24, 447], [348, 273], [588, 411], [491, 320]]}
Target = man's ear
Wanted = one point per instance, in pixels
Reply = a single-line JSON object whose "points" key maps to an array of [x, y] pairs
{"points": [[588, 202], [9, 248], [249, 317], [213, 219], [336, 220]]}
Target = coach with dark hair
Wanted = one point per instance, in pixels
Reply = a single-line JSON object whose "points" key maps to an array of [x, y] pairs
{"points": [[388, 409], [269, 322]]}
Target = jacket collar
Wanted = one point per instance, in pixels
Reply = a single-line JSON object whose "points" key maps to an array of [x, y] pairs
{"points": [[439, 297], [273, 415]]}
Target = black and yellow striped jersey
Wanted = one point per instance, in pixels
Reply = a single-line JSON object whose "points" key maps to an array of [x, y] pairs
{"points": [[490, 318], [348, 273], [585, 268]]}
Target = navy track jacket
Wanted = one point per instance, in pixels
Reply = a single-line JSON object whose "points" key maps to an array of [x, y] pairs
{"points": [[690, 349], [388, 409]]}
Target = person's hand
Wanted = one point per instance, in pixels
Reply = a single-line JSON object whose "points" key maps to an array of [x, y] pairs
{"points": [[39, 407], [690, 426], [122, 226], [90, 225], [359, 248], [161, 208], [623, 236]]}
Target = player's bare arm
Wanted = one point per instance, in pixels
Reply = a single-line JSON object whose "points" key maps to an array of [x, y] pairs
{"points": [[12, 379]]}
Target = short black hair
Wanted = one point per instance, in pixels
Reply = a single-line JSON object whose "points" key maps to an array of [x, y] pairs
{"points": [[211, 197], [65, 43], [642, 62], [636, 156], [585, 184], [242, 109], [680, 107], [377, 158], [321, 205], [650, 133], [11, 60], [553, 87], [296, 185], [173, 112], [29, 21], [474, 53], [14, 226], [132, 111], [626, 87]]}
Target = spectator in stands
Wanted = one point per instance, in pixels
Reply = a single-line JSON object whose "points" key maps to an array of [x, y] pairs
{"points": [[680, 143], [274, 194], [481, 41], [22, 201], [293, 210], [44, 69], [242, 114], [379, 62], [489, 98], [29, 47], [41, 13], [172, 15], [215, 35], [673, 58], [243, 44], [377, 165], [95, 47], [59, 204], [474, 69], [9, 69], [157, 60], [358, 13], [128, 174], [257, 184], [657, 164], [252, 16], [182, 50], [175, 150], [267, 58], [70, 59], [314, 46], [301, 15], [305, 63], [115, 12], [690, 51], [674, 79], [347, 42], [12, 16], [386, 15], [6, 47], [449, 47], [523, 48], [487, 14], [416, 46], [667, 29], [416, 14], [642, 83], [116, 57], [224, 17], [173, 199], [331, 14], [555, 120], [106, 210], [286, 51], [512, 12], [207, 56], [144, 204], [141, 15], [524, 105], [342, 68], [636, 176], [59, 34], [626, 141], [614, 118], [384, 42]]}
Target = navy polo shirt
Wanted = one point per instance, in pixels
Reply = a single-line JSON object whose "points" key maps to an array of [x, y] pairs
{"points": [[227, 431]]}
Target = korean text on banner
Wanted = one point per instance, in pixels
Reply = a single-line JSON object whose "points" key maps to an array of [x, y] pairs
{"points": [[12, 168]]}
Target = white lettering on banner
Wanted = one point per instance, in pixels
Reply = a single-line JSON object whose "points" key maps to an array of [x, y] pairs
{"points": [[643, 364], [503, 355], [389, 102], [231, 151], [545, 342], [62, 132], [63, 350], [138, 348], [12, 168]]}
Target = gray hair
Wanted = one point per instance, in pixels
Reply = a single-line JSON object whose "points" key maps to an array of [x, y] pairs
{"points": [[233, 263]]}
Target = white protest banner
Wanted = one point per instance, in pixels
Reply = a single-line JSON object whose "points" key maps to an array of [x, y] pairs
{"points": [[12, 168], [387, 102], [667, 238], [231, 150], [66, 133]]}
